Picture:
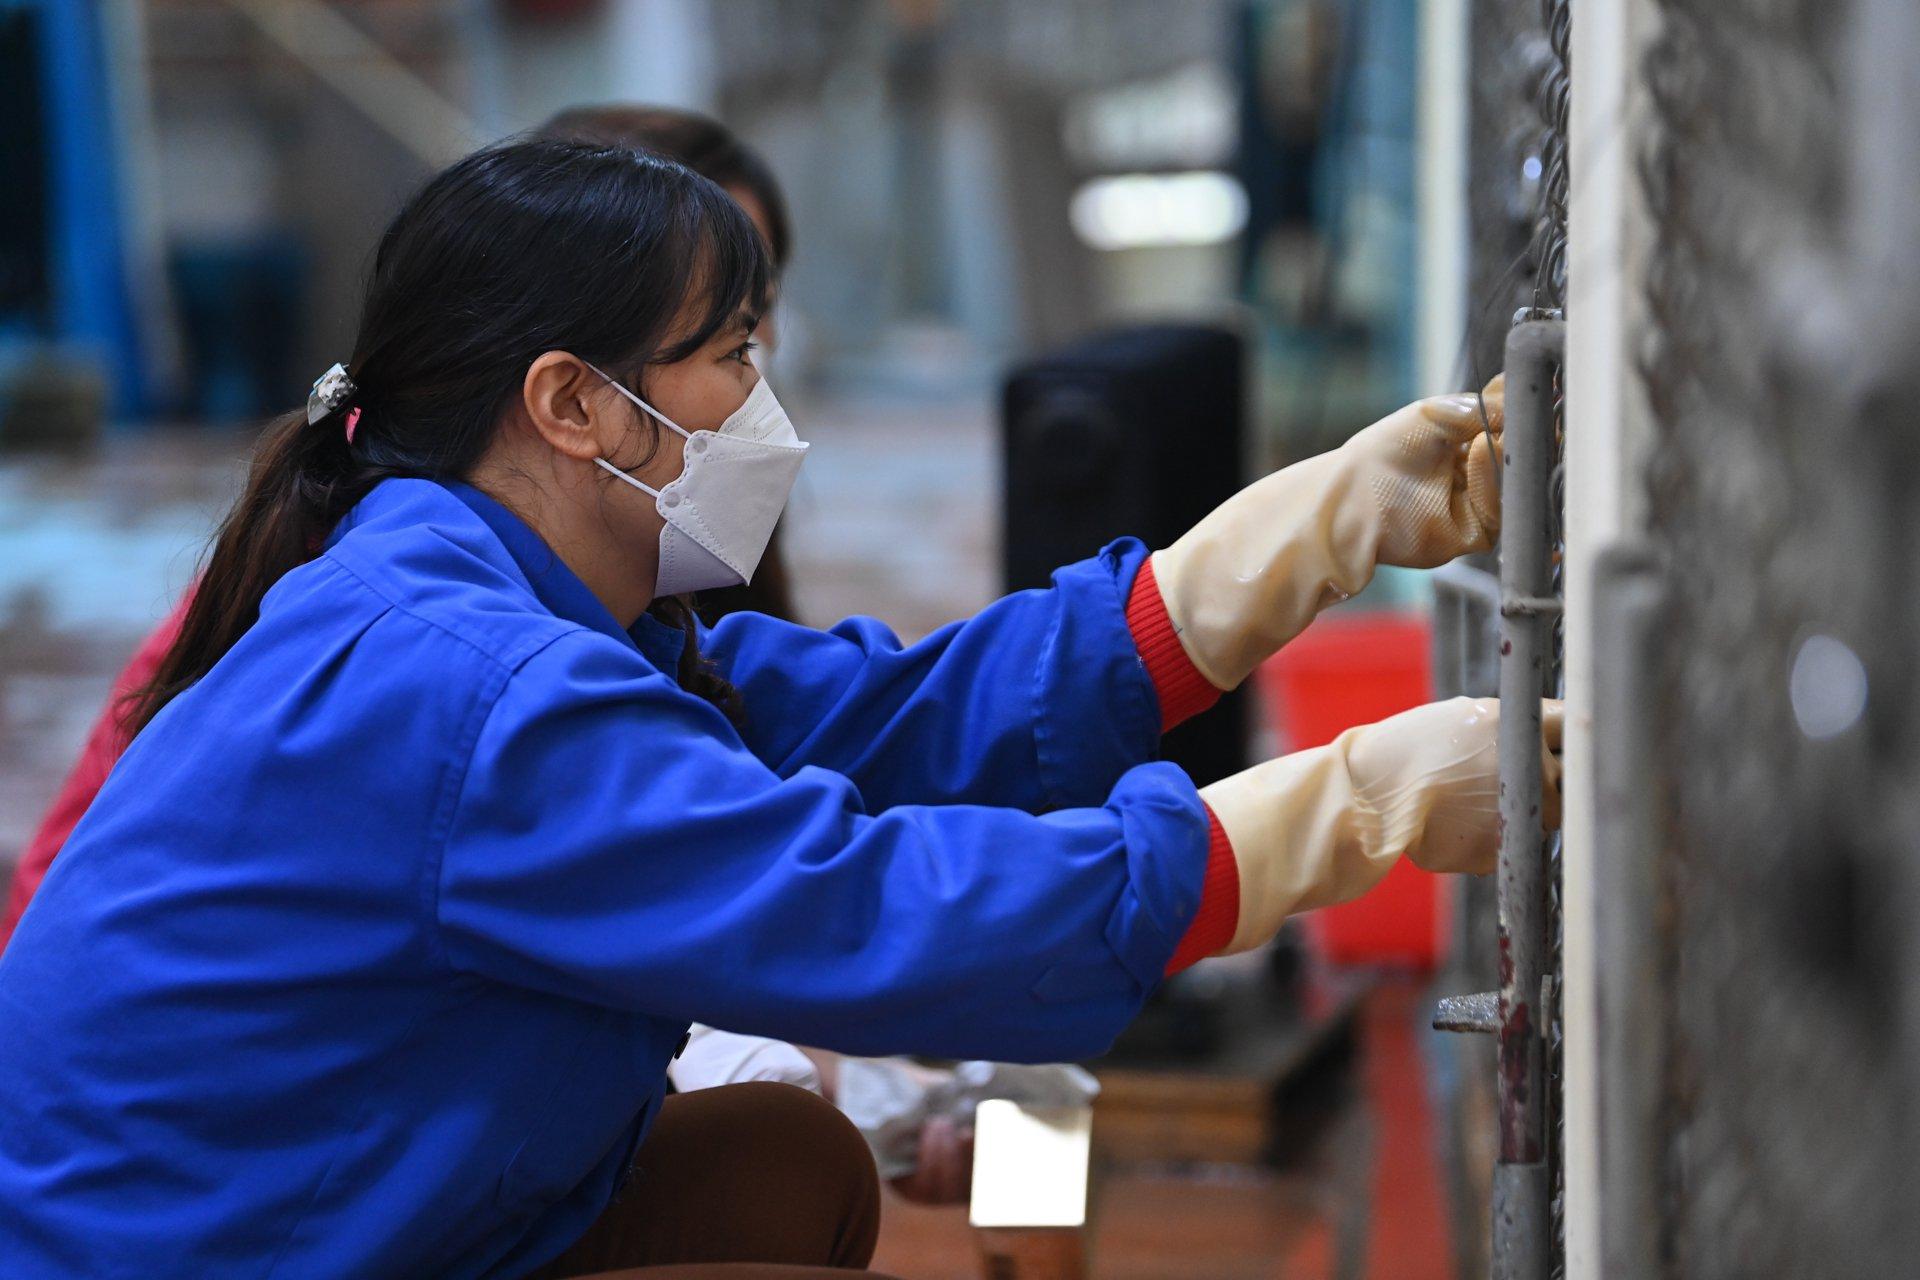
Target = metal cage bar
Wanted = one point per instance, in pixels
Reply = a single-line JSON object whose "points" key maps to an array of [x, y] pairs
{"points": [[1522, 1190], [1629, 595]]}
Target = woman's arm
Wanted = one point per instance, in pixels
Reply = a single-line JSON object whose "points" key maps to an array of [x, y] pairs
{"points": [[1047, 697], [614, 842], [1039, 702]]}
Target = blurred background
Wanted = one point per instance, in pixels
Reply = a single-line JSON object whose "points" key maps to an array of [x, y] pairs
{"points": [[1062, 270]]}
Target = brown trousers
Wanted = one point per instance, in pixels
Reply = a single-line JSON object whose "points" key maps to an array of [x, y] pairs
{"points": [[742, 1182]]}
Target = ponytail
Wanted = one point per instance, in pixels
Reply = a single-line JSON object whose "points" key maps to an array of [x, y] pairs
{"points": [[302, 481]]}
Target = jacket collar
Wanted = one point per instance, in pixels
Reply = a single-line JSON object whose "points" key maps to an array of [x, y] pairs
{"points": [[560, 589], [557, 588], [554, 585]]}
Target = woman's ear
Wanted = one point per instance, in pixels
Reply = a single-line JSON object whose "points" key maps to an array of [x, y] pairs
{"points": [[567, 403]]}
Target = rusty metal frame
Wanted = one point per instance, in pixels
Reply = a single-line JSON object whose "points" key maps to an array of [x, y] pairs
{"points": [[1522, 1192], [1529, 606]]}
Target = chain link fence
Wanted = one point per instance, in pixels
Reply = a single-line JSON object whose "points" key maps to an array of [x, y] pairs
{"points": [[1780, 368], [1554, 98]]}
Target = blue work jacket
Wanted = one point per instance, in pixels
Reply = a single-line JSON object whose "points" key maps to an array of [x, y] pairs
{"points": [[370, 956]]}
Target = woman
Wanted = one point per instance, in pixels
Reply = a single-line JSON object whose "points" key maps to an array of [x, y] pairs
{"points": [[446, 816], [937, 1169], [702, 144]]}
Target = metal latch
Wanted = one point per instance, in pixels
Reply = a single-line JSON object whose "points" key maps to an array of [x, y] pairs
{"points": [[1479, 1012]]}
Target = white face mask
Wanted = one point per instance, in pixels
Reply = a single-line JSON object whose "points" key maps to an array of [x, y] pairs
{"points": [[732, 487]]}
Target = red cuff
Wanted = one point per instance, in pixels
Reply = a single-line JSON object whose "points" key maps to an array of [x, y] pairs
{"points": [[1183, 691], [1219, 914]]}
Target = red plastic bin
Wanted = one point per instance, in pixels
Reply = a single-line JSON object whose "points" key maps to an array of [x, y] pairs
{"points": [[1344, 671]]}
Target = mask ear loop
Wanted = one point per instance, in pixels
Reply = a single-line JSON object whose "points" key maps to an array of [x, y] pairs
{"points": [[651, 412], [618, 474]]}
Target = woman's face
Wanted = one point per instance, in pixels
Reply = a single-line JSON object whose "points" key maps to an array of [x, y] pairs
{"points": [[697, 392], [569, 416]]}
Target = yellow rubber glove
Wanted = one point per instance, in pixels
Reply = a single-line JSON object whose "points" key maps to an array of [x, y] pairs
{"points": [[1323, 826], [1415, 489]]}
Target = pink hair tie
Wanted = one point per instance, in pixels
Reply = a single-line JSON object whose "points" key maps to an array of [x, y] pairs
{"points": [[353, 420]]}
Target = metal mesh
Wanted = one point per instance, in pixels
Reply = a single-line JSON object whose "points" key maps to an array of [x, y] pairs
{"points": [[1550, 293], [1780, 367], [1510, 54], [1517, 210]]}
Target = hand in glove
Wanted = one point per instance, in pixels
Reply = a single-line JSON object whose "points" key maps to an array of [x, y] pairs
{"points": [[1415, 489], [1323, 826]]}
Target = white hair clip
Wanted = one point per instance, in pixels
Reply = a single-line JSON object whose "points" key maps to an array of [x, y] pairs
{"points": [[330, 390]]}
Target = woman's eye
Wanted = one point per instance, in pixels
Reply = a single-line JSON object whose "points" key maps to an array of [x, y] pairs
{"points": [[744, 351]]}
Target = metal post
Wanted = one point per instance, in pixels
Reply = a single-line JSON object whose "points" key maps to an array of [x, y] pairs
{"points": [[1631, 1040], [1522, 1220]]}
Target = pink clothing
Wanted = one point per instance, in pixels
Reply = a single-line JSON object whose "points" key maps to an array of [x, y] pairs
{"points": [[104, 745]]}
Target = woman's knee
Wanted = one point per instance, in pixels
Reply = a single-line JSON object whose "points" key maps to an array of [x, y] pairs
{"points": [[830, 1160], [801, 1120]]}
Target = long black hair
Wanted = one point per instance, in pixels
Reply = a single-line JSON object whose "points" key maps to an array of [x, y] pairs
{"points": [[515, 251]]}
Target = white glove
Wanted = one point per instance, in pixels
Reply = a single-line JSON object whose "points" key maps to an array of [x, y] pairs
{"points": [[1415, 489], [1323, 826]]}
